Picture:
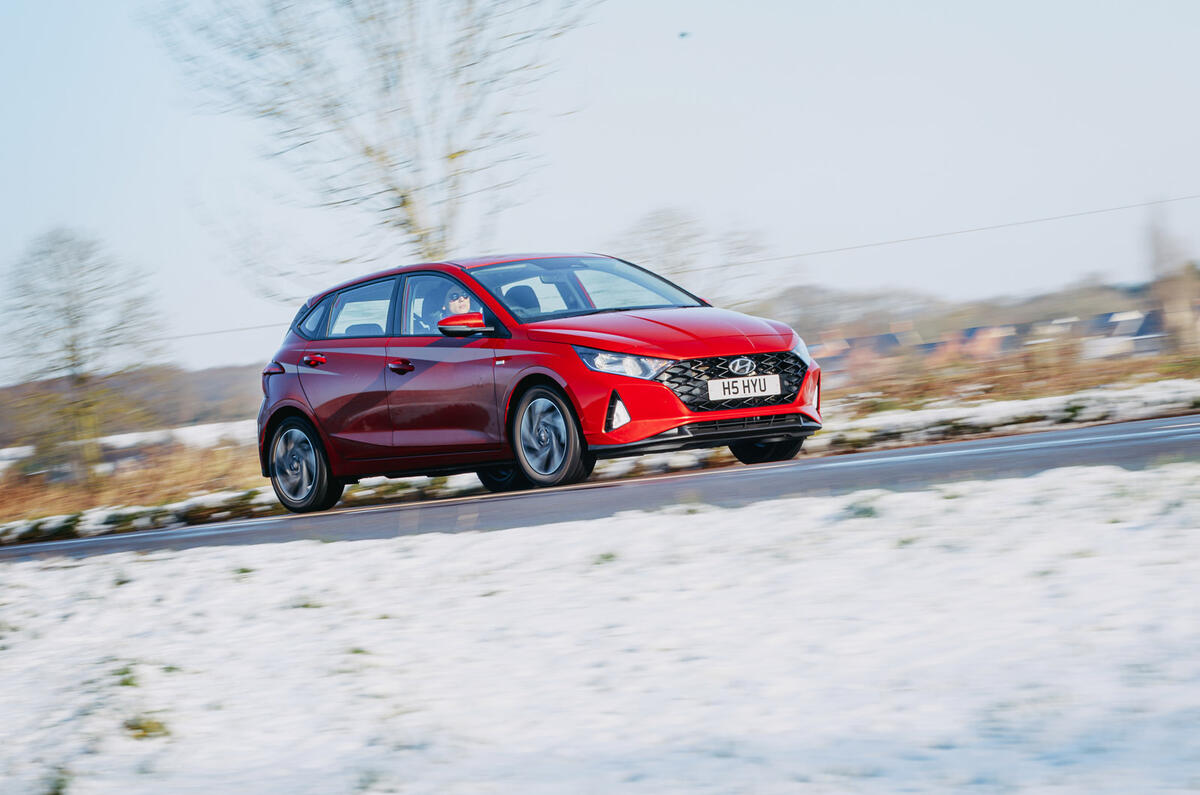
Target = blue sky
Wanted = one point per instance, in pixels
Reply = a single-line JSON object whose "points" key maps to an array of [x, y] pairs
{"points": [[818, 124]]}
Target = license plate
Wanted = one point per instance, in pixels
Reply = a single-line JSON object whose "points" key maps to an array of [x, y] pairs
{"points": [[750, 386]]}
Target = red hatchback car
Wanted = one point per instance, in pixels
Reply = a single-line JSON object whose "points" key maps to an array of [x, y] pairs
{"points": [[524, 369]]}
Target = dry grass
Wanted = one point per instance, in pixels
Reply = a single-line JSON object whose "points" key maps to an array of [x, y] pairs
{"points": [[907, 383], [165, 475]]}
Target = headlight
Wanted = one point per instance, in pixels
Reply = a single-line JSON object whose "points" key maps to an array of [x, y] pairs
{"points": [[621, 363], [801, 350]]}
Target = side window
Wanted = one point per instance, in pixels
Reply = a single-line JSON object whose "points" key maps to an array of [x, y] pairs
{"points": [[313, 326], [428, 298], [361, 311]]}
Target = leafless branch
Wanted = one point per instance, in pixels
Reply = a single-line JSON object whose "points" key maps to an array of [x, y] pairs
{"points": [[415, 112]]}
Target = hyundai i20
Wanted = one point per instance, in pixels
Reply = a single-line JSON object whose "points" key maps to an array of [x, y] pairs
{"points": [[524, 369]]}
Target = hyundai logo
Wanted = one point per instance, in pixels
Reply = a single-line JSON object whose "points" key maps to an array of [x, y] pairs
{"points": [[742, 366]]}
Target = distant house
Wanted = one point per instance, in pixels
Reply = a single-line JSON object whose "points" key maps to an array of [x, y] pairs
{"points": [[1151, 335], [1099, 325], [1110, 334], [827, 350], [847, 357], [1116, 334], [939, 351], [1057, 329], [935, 348], [833, 371], [875, 344], [988, 342], [1152, 324], [1114, 324], [831, 355]]}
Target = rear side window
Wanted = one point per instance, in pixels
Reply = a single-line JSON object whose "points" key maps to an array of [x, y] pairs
{"points": [[313, 326], [362, 311]]}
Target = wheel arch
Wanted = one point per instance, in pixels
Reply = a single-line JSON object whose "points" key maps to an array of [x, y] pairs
{"points": [[282, 413], [545, 378]]}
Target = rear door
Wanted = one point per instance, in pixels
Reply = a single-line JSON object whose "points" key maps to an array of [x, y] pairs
{"points": [[345, 375], [442, 397]]}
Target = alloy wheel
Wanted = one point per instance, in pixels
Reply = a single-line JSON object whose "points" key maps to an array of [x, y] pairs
{"points": [[543, 436], [295, 464]]}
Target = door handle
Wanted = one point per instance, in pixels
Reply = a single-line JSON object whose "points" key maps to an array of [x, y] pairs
{"points": [[314, 359], [401, 366]]}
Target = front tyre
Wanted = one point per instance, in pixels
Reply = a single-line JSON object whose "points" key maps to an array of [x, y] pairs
{"points": [[586, 465], [762, 452], [546, 440], [299, 469]]}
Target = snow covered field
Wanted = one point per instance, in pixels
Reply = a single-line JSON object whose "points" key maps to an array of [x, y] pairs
{"points": [[1039, 633], [946, 419]]}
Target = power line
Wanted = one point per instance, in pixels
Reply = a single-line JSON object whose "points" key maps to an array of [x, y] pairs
{"points": [[280, 324], [990, 227], [856, 247]]}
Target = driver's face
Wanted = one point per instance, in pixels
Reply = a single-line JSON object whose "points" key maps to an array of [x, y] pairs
{"points": [[459, 303]]}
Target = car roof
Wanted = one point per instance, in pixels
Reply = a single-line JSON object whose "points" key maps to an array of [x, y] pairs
{"points": [[496, 259], [463, 263]]}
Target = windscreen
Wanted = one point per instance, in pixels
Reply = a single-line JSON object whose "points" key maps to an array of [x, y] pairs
{"points": [[565, 286]]}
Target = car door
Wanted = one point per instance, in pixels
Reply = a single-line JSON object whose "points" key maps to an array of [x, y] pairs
{"points": [[443, 399], [344, 373]]}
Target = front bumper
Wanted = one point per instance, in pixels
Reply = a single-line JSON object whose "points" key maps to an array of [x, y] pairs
{"points": [[661, 422], [715, 433]]}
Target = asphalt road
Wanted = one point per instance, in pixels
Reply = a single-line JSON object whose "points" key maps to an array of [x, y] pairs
{"points": [[1132, 445]]}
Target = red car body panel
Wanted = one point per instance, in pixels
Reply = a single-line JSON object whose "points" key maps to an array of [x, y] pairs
{"points": [[447, 403], [450, 411], [676, 333], [348, 394]]}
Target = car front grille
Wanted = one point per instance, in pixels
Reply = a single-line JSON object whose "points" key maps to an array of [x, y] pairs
{"points": [[689, 380], [745, 424]]}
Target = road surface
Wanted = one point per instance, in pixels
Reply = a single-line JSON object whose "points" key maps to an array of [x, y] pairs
{"points": [[1132, 445]]}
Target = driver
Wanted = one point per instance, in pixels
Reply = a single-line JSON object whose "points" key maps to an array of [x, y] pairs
{"points": [[457, 302]]}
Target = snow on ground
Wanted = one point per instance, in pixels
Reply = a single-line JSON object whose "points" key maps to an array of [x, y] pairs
{"points": [[11, 455], [212, 434], [1039, 633], [207, 435], [949, 418]]}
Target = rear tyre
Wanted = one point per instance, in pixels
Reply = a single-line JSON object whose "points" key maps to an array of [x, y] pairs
{"points": [[546, 440], [333, 497], [762, 452], [503, 478], [300, 470]]}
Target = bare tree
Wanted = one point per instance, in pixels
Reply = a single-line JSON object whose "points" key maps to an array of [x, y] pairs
{"points": [[669, 240], [75, 314], [414, 111], [680, 246]]}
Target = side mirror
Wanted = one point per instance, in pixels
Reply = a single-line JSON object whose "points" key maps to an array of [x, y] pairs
{"points": [[464, 325]]}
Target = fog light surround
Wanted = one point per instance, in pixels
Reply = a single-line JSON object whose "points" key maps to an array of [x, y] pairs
{"points": [[618, 415]]}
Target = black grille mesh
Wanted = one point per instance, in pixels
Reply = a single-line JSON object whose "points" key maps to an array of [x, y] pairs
{"points": [[689, 380], [746, 424]]}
